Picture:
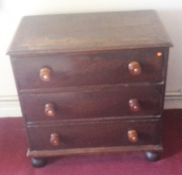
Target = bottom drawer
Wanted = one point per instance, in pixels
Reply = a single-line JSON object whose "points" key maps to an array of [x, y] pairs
{"points": [[95, 134]]}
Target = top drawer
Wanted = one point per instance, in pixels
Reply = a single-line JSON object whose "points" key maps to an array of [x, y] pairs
{"points": [[62, 70]]}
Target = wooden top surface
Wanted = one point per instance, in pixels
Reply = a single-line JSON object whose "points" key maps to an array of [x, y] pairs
{"points": [[89, 32]]}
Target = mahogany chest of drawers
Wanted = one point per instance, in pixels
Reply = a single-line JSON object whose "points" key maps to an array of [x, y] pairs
{"points": [[91, 83]]}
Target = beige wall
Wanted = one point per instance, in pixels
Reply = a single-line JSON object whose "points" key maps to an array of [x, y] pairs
{"points": [[11, 12]]}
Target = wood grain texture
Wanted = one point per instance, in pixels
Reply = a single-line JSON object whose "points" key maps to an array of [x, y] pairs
{"points": [[89, 32]]}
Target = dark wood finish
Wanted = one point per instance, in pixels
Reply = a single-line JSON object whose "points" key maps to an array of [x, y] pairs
{"points": [[89, 69], [91, 83], [91, 31], [94, 134], [97, 150], [112, 101]]}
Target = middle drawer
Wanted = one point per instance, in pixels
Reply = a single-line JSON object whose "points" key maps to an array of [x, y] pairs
{"points": [[101, 102]]}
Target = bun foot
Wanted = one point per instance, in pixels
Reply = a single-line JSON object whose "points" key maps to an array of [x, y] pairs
{"points": [[152, 155], [38, 162]]}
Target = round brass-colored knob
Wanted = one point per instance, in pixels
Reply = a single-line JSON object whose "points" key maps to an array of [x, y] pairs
{"points": [[49, 110], [133, 136], [55, 139], [45, 74], [134, 68], [134, 105]]}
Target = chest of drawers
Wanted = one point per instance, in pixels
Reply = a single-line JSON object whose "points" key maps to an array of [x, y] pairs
{"points": [[91, 83]]}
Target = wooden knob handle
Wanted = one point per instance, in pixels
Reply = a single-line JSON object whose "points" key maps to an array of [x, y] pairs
{"points": [[134, 68], [45, 74], [134, 105], [49, 110], [133, 136], [55, 139]]}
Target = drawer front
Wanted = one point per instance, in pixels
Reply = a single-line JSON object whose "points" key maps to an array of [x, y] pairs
{"points": [[141, 65], [101, 102], [95, 134]]}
